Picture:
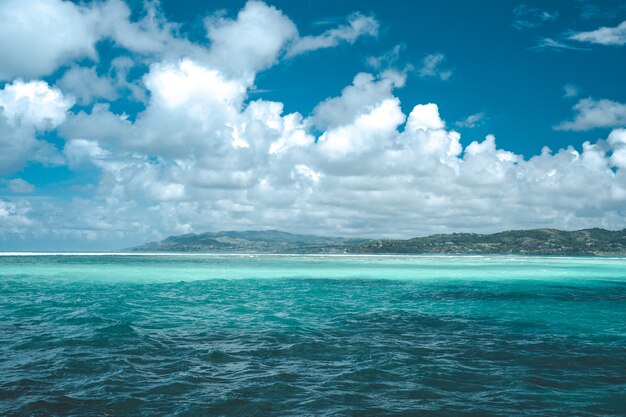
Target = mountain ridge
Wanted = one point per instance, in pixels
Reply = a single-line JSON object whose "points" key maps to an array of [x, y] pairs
{"points": [[543, 241]]}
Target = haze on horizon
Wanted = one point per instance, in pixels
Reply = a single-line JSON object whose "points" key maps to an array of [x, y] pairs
{"points": [[123, 121]]}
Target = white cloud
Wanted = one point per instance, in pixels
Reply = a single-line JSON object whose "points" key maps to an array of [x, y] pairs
{"points": [[617, 140], [369, 130], [603, 36], [363, 95], [386, 60], [14, 216], [431, 67], [19, 186], [39, 35], [471, 121], [150, 34], [85, 84], [252, 42], [26, 109], [553, 44], [358, 26], [425, 117], [33, 104], [592, 113], [420, 177], [570, 90]]}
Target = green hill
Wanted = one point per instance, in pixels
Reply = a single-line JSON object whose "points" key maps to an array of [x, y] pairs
{"points": [[523, 242], [266, 241], [591, 242]]}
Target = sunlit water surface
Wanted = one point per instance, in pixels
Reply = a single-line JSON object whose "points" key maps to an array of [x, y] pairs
{"points": [[312, 336]]}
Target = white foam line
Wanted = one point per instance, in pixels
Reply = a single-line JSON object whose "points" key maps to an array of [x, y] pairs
{"points": [[315, 255], [311, 255]]}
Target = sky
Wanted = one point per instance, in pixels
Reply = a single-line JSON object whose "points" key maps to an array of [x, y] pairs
{"points": [[126, 121]]}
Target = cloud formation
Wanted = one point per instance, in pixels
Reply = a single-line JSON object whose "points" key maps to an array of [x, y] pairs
{"points": [[28, 109], [526, 17], [570, 90], [202, 154], [592, 113], [358, 25], [432, 67], [603, 36], [472, 120]]}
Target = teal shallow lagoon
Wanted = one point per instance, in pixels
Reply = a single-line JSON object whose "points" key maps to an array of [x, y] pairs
{"points": [[312, 335]]}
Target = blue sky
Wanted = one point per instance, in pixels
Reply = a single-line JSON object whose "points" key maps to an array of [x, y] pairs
{"points": [[342, 118]]}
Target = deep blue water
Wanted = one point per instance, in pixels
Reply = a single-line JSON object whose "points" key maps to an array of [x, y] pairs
{"points": [[312, 336]]}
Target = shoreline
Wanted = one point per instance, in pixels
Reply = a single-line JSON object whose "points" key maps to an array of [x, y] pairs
{"points": [[309, 255]]}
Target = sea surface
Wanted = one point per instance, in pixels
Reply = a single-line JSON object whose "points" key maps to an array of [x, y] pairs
{"points": [[117, 335]]}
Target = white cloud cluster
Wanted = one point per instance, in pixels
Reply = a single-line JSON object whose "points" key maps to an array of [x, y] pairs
{"points": [[28, 109], [38, 36], [203, 155], [248, 44], [592, 113], [603, 36], [371, 170]]}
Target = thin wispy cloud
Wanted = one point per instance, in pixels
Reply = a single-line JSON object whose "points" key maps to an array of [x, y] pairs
{"points": [[388, 59], [471, 121], [18, 186], [526, 17], [570, 90], [433, 66], [606, 9], [550, 44], [358, 25]]}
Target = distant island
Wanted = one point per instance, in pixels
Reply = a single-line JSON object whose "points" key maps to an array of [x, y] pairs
{"points": [[587, 242]]}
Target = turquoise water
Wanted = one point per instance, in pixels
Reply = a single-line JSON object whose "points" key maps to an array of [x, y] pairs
{"points": [[312, 336]]}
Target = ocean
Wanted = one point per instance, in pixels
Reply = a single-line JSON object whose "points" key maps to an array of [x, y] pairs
{"points": [[263, 335]]}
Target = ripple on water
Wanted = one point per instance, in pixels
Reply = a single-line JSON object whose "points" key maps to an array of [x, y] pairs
{"points": [[312, 347]]}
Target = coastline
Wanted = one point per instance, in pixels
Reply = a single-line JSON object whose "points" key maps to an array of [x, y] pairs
{"points": [[313, 255]]}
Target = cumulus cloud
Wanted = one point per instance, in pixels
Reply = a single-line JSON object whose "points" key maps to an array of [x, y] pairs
{"points": [[432, 67], [264, 169], [14, 216], [358, 26], [86, 86], [27, 109], [365, 93], [201, 154], [252, 41], [617, 140], [592, 113], [38, 36], [603, 36]]}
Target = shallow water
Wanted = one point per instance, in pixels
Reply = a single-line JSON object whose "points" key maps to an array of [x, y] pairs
{"points": [[312, 336]]}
